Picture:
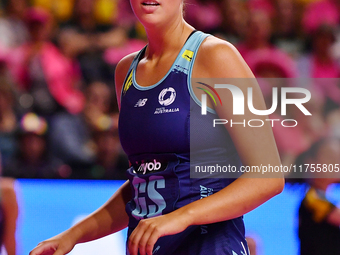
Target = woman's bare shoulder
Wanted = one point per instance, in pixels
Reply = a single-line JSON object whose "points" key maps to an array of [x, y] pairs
{"points": [[218, 58], [121, 71], [123, 67]]}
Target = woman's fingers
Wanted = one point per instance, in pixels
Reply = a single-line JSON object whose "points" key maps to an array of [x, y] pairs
{"points": [[44, 249], [51, 247], [134, 242], [59, 252], [148, 241], [151, 241], [143, 238], [148, 231]]}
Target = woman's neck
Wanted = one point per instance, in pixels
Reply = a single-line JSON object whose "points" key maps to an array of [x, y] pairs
{"points": [[167, 39]]}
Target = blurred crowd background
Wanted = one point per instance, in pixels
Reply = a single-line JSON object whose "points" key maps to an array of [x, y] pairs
{"points": [[58, 110]]}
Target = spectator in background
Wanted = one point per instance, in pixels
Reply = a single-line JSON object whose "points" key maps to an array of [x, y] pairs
{"points": [[111, 162], [99, 102], [234, 23], [8, 118], [13, 30], [33, 159], [258, 33], [61, 9], [70, 139], [43, 72], [204, 15], [85, 39], [319, 13], [127, 20], [273, 63], [333, 120], [286, 27], [320, 63], [319, 219], [125, 16], [320, 20], [310, 129], [70, 135]]}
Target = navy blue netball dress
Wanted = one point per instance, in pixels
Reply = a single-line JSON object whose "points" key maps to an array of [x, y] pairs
{"points": [[155, 132]]}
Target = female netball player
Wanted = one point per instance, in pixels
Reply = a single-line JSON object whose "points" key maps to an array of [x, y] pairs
{"points": [[159, 203]]}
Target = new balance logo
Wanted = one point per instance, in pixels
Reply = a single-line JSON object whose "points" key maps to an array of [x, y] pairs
{"points": [[141, 102]]}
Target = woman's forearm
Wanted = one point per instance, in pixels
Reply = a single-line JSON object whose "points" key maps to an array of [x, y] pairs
{"points": [[109, 218], [240, 197]]}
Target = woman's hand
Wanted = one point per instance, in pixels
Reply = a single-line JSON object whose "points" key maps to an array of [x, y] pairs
{"points": [[108, 219], [148, 231], [57, 245]]}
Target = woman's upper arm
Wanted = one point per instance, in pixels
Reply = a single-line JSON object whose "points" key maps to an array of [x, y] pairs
{"points": [[120, 73], [255, 145]]}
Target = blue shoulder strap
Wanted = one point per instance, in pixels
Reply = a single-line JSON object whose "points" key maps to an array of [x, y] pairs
{"points": [[183, 63], [187, 55]]}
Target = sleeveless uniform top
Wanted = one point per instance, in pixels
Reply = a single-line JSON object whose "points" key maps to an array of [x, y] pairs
{"points": [[156, 132]]}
